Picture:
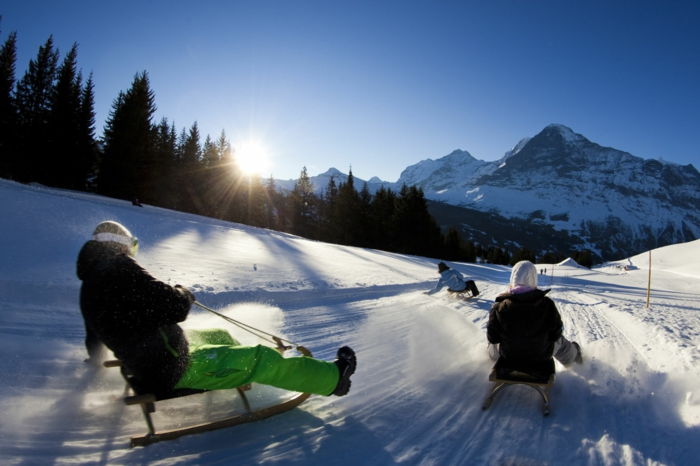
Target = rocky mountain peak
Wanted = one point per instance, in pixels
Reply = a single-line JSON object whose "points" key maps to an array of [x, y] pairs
{"points": [[332, 172], [560, 178]]}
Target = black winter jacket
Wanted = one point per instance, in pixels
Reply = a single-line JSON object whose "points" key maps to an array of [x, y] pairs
{"points": [[135, 315], [526, 325]]}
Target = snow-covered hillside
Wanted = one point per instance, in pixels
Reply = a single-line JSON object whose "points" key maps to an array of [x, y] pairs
{"points": [[423, 367]]}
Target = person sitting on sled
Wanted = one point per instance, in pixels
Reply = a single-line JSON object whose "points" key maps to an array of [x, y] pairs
{"points": [[454, 281], [136, 316], [524, 326]]}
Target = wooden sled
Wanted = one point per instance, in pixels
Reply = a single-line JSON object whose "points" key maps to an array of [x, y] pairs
{"points": [[541, 380], [148, 402], [471, 291]]}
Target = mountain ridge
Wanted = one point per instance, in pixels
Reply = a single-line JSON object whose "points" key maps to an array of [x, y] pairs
{"points": [[608, 200]]}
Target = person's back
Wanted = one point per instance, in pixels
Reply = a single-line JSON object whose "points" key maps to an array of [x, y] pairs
{"points": [[526, 324], [133, 314]]}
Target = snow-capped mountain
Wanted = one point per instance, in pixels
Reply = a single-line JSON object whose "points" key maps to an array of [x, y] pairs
{"points": [[615, 202], [320, 182], [607, 200], [459, 168]]}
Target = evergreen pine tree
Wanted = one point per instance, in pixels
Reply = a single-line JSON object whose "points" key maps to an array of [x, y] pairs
{"points": [[522, 254], [225, 181], [364, 202], [256, 197], [128, 165], [85, 169], [346, 215], [453, 245], [273, 202], [303, 206], [418, 233], [210, 160], [189, 171], [58, 166], [469, 251], [33, 98], [583, 258], [166, 192], [382, 227], [328, 208], [210, 154], [8, 108], [552, 257]]}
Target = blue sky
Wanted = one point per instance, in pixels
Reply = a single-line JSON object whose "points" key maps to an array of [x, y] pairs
{"points": [[382, 85]]}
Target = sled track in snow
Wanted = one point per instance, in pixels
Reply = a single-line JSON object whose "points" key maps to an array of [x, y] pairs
{"points": [[585, 322], [297, 299]]}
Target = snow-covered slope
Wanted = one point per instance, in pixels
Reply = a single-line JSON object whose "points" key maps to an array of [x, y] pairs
{"points": [[681, 259], [422, 370]]}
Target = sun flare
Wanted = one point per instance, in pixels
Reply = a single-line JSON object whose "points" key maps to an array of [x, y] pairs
{"points": [[253, 157]]}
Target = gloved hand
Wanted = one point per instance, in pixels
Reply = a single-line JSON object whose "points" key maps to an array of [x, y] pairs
{"points": [[185, 292]]}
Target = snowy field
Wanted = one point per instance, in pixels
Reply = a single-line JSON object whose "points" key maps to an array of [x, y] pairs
{"points": [[422, 362]]}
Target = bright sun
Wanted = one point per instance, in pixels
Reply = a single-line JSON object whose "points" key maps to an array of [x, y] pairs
{"points": [[252, 157]]}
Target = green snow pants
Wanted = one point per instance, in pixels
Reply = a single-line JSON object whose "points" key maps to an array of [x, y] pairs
{"points": [[217, 361]]}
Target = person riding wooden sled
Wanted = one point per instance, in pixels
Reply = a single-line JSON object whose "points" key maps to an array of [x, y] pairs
{"points": [[136, 316], [526, 325], [454, 281], [524, 332]]}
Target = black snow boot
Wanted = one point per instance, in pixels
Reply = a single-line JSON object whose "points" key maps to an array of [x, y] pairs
{"points": [[347, 363], [579, 355], [471, 286]]}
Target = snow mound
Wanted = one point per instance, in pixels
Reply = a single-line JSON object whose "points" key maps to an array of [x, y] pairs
{"points": [[569, 262]]}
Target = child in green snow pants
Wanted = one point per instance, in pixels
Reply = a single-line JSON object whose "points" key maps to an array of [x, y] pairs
{"points": [[217, 361]]}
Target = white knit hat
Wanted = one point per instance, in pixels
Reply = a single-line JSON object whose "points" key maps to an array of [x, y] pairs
{"points": [[524, 273]]}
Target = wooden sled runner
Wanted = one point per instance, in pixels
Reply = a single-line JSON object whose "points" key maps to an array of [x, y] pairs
{"points": [[541, 380], [148, 405], [464, 294]]}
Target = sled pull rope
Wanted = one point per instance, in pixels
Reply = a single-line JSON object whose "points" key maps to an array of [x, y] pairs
{"points": [[263, 335]]}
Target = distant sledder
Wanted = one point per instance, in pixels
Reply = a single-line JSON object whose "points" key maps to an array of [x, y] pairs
{"points": [[455, 283], [136, 316], [524, 332]]}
